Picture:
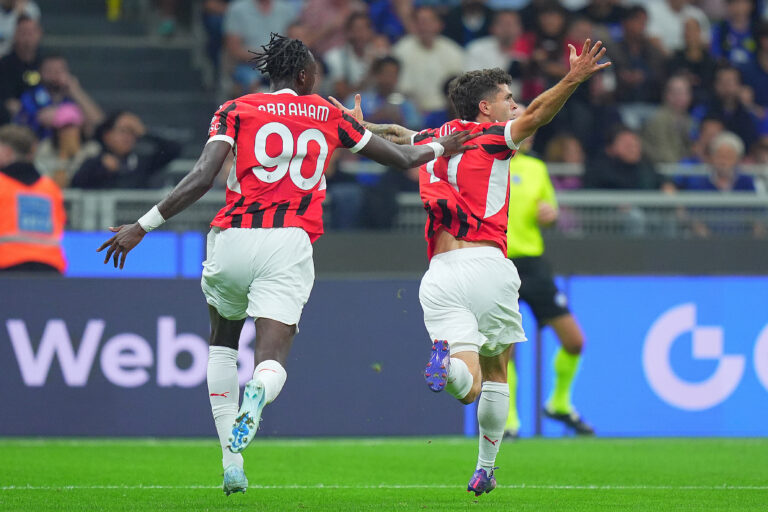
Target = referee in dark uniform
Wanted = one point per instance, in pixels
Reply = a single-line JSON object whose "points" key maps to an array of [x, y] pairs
{"points": [[533, 205]]}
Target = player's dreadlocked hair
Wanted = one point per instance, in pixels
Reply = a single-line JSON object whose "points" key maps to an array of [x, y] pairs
{"points": [[282, 58], [468, 90]]}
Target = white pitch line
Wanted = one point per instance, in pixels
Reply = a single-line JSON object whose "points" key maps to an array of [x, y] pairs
{"points": [[396, 486]]}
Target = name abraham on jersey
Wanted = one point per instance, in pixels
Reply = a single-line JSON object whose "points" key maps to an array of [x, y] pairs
{"points": [[316, 112]]}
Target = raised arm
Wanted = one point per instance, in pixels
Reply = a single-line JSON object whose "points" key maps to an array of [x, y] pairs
{"points": [[190, 189], [543, 109], [391, 132]]}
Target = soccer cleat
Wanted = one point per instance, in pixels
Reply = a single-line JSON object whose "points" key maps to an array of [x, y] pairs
{"points": [[234, 480], [482, 482], [436, 372], [247, 420], [571, 420]]}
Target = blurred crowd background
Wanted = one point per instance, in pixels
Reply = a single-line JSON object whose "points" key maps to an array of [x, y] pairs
{"points": [[115, 91]]}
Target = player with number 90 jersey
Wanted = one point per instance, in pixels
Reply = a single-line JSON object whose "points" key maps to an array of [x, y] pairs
{"points": [[283, 144], [468, 194]]}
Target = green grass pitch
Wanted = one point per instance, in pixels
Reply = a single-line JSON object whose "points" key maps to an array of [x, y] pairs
{"points": [[386, 474]]}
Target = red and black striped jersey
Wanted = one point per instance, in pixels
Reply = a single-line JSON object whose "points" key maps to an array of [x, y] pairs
{"points": [[283, 143], [467, 194]]}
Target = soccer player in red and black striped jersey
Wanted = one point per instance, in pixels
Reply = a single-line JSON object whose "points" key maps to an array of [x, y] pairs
{"points": [[470, 292], [259, 253]]}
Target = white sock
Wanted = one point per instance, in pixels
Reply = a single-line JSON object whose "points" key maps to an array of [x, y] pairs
{"points": [[459, 379], [224, 394], [272, 376], [491, 416]]}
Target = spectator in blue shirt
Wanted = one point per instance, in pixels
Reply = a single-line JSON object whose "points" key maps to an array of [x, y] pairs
{"points": [[725, 152], [382, 103], [58, 95], [755, 73], [728, 105], [732, 38]]}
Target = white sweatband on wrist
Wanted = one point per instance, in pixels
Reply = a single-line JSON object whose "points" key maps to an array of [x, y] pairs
{"points": [[151, 220], [437, 148]]}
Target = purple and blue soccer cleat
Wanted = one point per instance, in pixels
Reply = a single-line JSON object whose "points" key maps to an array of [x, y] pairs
{"points": [[436, 372], [481, 482]]}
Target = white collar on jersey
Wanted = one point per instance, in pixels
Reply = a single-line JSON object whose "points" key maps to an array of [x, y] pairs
{"points": [[284, 91]]}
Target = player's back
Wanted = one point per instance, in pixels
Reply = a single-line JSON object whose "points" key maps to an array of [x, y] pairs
{"points": [[283, 143], [468, 194]]}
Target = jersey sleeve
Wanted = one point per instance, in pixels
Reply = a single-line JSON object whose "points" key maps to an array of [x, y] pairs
{"points": [[424, 136], [225, 124], [497, 140], [352, 134]]}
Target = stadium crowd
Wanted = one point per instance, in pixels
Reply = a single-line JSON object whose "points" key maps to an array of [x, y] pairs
{"points": [[689, 85]]}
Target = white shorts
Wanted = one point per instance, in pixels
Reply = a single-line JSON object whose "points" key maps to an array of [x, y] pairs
{"points": [[469, 297], [261, 273]]}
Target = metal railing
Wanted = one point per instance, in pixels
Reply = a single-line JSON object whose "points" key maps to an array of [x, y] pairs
{"points": [[582, 213]]}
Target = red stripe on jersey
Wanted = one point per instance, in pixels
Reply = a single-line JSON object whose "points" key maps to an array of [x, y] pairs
{"points": [[467, 194]]}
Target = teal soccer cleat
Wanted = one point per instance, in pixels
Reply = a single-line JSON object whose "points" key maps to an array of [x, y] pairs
{"points": [[234, 480], [247, 420]]}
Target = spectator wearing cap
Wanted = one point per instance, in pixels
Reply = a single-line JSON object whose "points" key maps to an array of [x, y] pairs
{"points": [[428, 59], [667, 134], [122, 163], [19, 70], [638, 63], [58, 101], [11, 11]]}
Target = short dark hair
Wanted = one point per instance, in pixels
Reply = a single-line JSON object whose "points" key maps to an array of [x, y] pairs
{"points": [[19, 138], [616, 130], [727, 66], [282, 58], [634, 11], [379, 64], [354, 17], [468, 90], [107, 124]]}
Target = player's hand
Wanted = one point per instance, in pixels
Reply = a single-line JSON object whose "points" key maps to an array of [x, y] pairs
{"points": [[546, 214], [455, 142], [357, 112], [127, 237], [588, 63]]}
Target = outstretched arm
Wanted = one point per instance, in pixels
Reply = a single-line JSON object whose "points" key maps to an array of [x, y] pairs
{"points": [[543, 109], [407, 156], [190, 189], [392, 132]]}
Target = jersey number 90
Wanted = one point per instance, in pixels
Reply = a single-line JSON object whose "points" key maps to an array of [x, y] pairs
{"points": [[291, 156]]}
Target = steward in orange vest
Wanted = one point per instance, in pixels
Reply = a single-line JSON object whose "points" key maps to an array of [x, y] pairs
{"points": [[32, 213]]}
